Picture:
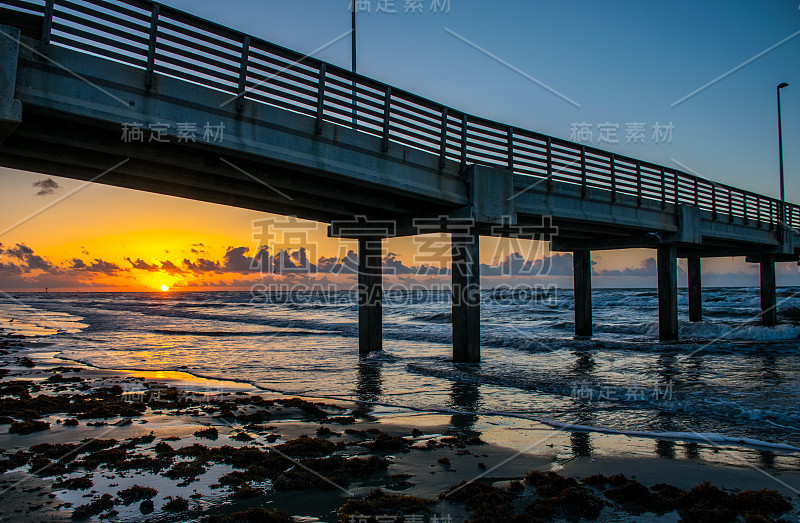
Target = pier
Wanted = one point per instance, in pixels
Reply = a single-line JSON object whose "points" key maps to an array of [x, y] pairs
{"points": [[290, 134]]}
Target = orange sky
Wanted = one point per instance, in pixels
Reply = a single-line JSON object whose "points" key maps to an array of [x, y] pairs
{"points": [[108, 230]]}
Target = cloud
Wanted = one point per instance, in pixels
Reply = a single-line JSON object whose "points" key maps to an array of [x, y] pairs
{"points": [[31, 261], [170, 268], [647, 267], [515, 264], [46, 186], [96, 266], [142, 265]]}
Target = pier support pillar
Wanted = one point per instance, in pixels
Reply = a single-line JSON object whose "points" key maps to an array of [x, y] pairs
{"points": [[769, 309], [695, 290], [370, 295], [466, 296], [667, 293], [582, 285]]}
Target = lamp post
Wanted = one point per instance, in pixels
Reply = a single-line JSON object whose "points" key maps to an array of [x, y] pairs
{"points": [[353, 50], [780, 151]]}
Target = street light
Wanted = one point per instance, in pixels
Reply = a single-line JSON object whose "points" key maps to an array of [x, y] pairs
{"points": [[780, 150], [353, 57]]}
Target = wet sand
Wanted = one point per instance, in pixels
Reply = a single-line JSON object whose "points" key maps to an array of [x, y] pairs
{"points": [[211, 449]]}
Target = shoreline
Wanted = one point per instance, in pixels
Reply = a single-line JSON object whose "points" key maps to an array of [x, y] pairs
{"points": [[715, 438], [510, 447]]}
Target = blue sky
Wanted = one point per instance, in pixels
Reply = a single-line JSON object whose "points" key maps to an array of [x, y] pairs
{"points": [[621, 61]]}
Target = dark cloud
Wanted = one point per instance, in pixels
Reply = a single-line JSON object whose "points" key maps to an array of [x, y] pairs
{"points": [[46, 186], [647, 267], [201, 265], [170, 268], [142, 265], [31, 261], [97, 266]]}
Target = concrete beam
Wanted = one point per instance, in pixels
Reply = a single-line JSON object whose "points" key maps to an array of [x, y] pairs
{"points": [[466, 297], [632, 242], [582, 274], [10, 107], [370, 295], [769, 303], [695, 290], [667, 293], [260, 133], [491, 194]]}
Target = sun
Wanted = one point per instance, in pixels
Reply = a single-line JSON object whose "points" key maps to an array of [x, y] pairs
{"points": [[165, 288]]}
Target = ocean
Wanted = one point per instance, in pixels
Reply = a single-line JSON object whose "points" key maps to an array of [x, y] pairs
{"points": [[728, 375]]}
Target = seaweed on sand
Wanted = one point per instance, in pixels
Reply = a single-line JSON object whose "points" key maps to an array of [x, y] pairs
{"points": [[486, 502], [259, 514], [379, 503], [336, 470], [136, 493]]}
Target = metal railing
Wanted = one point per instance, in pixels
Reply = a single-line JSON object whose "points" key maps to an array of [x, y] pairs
{"points": [[165, 41]]}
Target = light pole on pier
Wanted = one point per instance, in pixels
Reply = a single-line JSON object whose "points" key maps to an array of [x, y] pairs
{"points": [[780, 151]]}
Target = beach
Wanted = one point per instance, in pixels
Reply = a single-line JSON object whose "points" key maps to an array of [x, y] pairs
{"points": [[213, 449]]}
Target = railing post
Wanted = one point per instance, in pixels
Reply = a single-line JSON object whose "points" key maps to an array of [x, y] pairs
{"points": [[758, 211], [464, 124], [443, 140], [676, 189], [696, 192], [583, 171], [321, 97], [511, 149], [713, 201], [663, 189], [47, 25], [387, 108], [151, 47], [775, 214], [243, 73], [730, 205], [549, 164], [613, 169], [638, 183], [744, 207]]}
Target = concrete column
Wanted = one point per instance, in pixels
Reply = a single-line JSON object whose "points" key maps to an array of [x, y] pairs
{"points": [[695, 290], [769, 308], [370, 294], [466, 297], [10, 108], [582, 278], [667, 293]]}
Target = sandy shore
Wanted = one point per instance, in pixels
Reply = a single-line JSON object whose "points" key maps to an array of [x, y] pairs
{"points": [[82, 443]]}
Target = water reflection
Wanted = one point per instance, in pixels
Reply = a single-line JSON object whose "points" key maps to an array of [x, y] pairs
{"points": [[767, 458], [691, 450], [584, 365], [665, 448], [368, 387], [465, 397], [581, 444]]}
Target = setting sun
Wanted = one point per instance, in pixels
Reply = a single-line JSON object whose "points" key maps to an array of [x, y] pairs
{"points": [[164, 288]]}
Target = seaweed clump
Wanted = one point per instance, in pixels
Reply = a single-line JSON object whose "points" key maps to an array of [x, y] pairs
{"points": [[560, 497], [136, 493], [260, 514], [379, 503], [487, 502]]}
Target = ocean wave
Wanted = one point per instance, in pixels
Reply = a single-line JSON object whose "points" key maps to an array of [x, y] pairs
{"points": [[285, 332], [749, 332], [437, 317]]}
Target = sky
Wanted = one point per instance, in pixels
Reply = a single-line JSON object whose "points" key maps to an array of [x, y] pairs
{"points": [[703, 73]]}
